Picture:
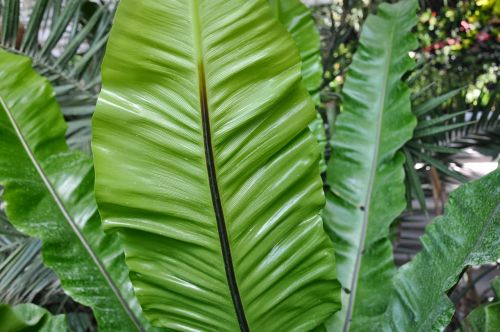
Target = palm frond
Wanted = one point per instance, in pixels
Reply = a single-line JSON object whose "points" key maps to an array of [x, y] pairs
{"points": [[483, 131], [66, 40], [23, 277], [443, 132]]}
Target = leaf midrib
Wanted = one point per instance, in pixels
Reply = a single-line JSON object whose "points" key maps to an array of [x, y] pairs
{"points": [[212, 172], [62, 208]]}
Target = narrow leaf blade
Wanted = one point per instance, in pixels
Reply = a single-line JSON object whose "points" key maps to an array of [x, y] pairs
{"points": [[431, 104], [366, 174]]}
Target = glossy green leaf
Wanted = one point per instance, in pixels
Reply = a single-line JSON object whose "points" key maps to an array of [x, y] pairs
{"points": [[206, 168], [30, 318], [48, 192], [467, 234], [297, 19], [366, 170]]}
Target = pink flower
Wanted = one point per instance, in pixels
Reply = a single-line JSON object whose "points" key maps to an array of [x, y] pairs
{"points": [[464, 25], [482, 36], [439, 45]]}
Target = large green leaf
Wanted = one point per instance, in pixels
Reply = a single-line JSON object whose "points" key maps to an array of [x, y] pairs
{"points": [[297, 19], [206, 168], [48, 192], [366, 170], [468, 234], [30, 318]]}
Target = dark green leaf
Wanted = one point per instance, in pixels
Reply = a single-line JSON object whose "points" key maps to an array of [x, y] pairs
{"points": [[440, 166], [76, 41], [48, 192], [439, 129], [59, 27], [34, 26], [431, 122], [423, 90], [467, 234], [10, 22], [416, 185], [366, 172], [431, 104], [22, 274], [485, 318], [434, 148]]}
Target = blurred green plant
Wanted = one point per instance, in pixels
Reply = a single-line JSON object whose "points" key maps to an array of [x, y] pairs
{"points": [[486, 317]]}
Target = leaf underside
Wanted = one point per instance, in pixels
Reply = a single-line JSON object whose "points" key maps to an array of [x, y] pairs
{"points": [[206, 168], [47, 187], [366, 170], [298, 21]]}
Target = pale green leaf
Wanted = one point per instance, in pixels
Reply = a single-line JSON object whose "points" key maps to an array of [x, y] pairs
{"points": [[297, 19], [206, 168]]}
